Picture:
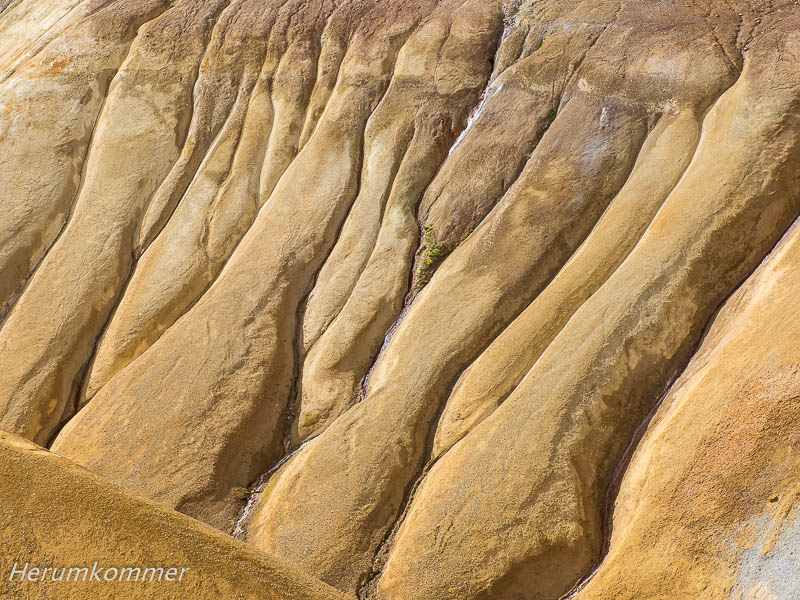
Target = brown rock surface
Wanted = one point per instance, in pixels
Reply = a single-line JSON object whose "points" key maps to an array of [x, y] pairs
{"points": [[419, 272]]}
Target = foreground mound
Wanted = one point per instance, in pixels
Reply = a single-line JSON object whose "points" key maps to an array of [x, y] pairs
{"points": [[57, 515]]}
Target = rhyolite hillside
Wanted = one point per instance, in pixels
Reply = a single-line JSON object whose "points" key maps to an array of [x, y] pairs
{"points": [[428, 299]]}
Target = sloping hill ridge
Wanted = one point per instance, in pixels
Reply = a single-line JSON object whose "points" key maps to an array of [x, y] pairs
{"points": [[481, 299], [67, 518]]}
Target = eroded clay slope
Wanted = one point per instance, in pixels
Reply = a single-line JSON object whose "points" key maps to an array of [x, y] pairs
{"points": [[416, 272], [709, 505]]}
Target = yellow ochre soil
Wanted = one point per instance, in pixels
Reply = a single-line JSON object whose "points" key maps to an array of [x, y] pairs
{"points": [[481, 299]]}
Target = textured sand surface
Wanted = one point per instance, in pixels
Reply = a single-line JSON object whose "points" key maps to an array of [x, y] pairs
{"points": [[485, 299]]}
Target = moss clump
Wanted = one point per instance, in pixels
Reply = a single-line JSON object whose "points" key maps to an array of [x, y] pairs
{"points": [[544, 39], [310, 419], [435, 253], [241, 493]]}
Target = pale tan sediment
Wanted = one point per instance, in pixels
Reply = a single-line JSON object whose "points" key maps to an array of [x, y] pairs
{"points": [[494, 375], [221, 424], [49, 336], [553, 445]]}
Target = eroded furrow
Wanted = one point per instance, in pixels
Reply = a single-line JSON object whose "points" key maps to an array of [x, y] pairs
{"points": [[219, 77], [486, 384], [745, 373], [57, 98], [390, 426], [370, 265], [414, 294], [562, 432], [56, 347], [242, 366], [8, 4], [295, 403], [294, 82], [290, 445], [218, 207], [332, 50], [495, 148]]}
